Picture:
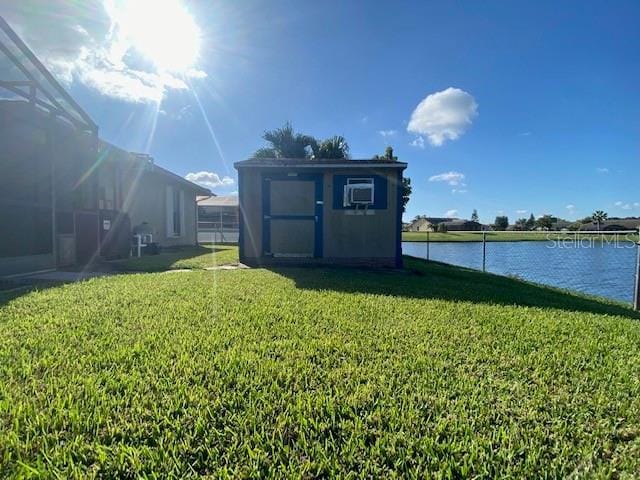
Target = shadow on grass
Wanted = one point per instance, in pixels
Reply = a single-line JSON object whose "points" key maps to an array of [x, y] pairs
{"points": [[192, 257], [24, 287], [182, 257], [432, 280]]}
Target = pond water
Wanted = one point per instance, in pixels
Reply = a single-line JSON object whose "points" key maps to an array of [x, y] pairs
{"points": [[591, 267]]}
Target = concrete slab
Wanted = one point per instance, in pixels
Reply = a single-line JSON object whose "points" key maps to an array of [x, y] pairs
{"points": [[238, 266]]}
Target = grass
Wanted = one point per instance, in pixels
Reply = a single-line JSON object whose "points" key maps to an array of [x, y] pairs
{"points": [[505, 236], [200, 257], [316, 373]]}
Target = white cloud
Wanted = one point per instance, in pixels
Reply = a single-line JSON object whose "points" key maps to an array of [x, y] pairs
{"points": [[623, 205], [443, 115], [524, 134], [451, 213], [418, 142], [571, 208], [387, 133], [452, 178], [365, 119], [458, 190], [602, 170], [521, 212], [636, 204], [97, 45], [209, 179], [183, 113]]}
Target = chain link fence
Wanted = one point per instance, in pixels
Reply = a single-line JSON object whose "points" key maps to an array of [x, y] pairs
{"points": [[604, 264], [218, 232]]}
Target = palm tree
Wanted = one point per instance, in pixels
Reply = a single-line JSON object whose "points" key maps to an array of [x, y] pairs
{"points": [[334, 147], [388, 155], [284, 142], [599, 216]]}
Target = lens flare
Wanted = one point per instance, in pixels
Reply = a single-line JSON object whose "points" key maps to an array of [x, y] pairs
{"points": [[163, 32]]}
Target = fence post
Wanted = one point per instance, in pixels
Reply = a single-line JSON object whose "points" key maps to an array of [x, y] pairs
{"points": [[484, 250], [428, 244], [221, 229], [636, 292]]}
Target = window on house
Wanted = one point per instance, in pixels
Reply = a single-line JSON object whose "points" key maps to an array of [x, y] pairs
{"points": [[107, 189], [177, 213]]}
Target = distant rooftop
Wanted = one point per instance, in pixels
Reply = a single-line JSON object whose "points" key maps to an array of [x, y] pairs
{"points": [[458, 221], [319, 163], [215, 201], [434, 220]]}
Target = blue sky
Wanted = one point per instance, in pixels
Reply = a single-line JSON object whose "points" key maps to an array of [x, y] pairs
{"points": [[527, 107]]}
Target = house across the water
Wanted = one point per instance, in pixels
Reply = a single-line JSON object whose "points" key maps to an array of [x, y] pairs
{"points": [[431, 224], [302, 211], [614, 224]]}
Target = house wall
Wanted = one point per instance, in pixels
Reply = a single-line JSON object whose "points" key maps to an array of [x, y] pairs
{"points": [[145, 200], [348, 237], [422, 226], [47, 166]]}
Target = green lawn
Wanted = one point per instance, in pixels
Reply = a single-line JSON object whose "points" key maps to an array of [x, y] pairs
{"points": [[505, 236], [317, 372], [200, 257]]}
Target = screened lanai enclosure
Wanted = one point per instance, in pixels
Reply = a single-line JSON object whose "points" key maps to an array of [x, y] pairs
{"points": [[67, 197]]}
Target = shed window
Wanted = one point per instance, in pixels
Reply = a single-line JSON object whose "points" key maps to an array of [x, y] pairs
{"points": [[373, 186], [351, 181], [359, 191], [107, 189]]}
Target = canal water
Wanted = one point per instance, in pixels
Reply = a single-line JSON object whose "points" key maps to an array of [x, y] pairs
{"points": [[591, 267]]}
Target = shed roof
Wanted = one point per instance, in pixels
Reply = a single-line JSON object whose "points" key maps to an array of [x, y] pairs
{"points": [[318, 163]]}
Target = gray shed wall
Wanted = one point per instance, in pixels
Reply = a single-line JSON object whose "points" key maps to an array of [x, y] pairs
{"points": [[348, 237]]}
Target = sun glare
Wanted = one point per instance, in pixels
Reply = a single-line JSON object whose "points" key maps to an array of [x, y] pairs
{"points": [[164, 32]]}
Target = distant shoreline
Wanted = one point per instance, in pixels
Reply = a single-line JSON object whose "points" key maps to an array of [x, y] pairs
{"points": [[504, 236]]}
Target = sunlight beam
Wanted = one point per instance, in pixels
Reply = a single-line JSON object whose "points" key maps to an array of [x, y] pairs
{"points": [[210, 128]]}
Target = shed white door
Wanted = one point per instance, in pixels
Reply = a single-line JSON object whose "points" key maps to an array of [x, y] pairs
{"points": [[292, 211]]}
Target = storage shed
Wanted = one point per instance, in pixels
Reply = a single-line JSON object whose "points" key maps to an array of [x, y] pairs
{"points": [[305, 211]]}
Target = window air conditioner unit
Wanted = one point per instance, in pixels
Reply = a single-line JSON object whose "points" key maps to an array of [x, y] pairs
{"points": [[358, 194]]}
